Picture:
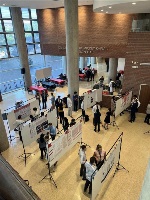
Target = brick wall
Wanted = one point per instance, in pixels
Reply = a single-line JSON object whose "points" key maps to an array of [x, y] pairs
{"points": [[109, 33], [138, 50]]}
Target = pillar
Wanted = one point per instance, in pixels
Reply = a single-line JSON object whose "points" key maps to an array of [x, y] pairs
{"points": [[21, 44], [113, 64], [4, 144], [82, 62], [64, 64], [72, 46], [93, 60]]}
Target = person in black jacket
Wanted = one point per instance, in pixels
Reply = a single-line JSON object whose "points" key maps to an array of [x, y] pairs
{"points": [[134, 107], [75, 101], [57, 102], [65, 123], [42, 145], [61, 112], [97, 120], [44, 99]]}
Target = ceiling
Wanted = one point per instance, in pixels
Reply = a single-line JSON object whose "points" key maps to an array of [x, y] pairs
{"points": [[108, 6]]}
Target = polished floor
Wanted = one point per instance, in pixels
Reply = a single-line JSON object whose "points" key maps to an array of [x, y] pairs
{"points": [[135, 155]]}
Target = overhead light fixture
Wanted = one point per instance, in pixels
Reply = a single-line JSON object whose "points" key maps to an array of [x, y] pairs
{"points": [[107, 12], [110, 7], [102, 10], [134, 3], [3, 4]]}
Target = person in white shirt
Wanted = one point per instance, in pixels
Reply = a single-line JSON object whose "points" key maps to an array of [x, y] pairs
{"points": [[36, 112], [90, 169], [69, 104], [96, 107], [111, 87], [82, 155]]}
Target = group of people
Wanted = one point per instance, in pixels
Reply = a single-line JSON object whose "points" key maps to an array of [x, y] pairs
{"points": [[89, 72], [88, 169]]}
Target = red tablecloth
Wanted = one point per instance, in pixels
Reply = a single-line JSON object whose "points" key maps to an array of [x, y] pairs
{"points": [[37, 88], [57, 81], [82, 76]]}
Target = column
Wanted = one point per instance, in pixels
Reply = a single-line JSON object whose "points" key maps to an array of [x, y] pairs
{"points": [[93, 60], [21, 44], [82, 62], [113, 65], [64, 64], [4, 144], [72, 46]]}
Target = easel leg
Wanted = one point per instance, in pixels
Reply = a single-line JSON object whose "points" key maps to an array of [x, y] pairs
{"points": [[117, 168]]}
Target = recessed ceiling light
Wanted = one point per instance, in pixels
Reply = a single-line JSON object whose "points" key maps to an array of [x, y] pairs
{"points": [[133, 3], [3, 4], [107, 12], [110, 7], [102, 10]]}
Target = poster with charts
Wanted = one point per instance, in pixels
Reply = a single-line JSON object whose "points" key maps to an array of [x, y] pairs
{"points": [[50, 148], [24, 111], [75, 131]]}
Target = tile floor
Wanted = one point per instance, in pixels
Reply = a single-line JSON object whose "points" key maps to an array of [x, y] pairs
{"points": [[135, 154]]}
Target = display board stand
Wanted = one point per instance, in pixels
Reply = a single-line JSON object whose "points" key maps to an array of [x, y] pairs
{"points": [[118, 164], [49, 175], [24, 155], [114, 123]]}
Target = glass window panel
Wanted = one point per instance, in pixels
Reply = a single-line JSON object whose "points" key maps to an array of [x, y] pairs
{"points": [[8, 25], [33, 14], [30, 49], [35, 25], [13, 51], [5, 12], [3, 52], [29, 38], [1, 30], [27, 25], [2, 39], [38, 48], [10, 39], [36, 37], [25, 13]]}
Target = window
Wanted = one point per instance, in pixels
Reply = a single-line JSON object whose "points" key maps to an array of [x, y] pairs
{"points": [[27, 25], [8, 25], [1, 29], [30, 49], [3, 52], [25, 13], [33, 14], [13, 51], [35, 25], [2, 39], [10, 39], [5, 12], [36, 37]]}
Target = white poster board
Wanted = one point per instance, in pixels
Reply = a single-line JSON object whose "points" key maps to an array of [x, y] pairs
{"points": [[123, 103], [106, 168], [25, 111], [98, 97], [52, 117], [31, 132], [90, 99], [57, 148], [43, 73]]}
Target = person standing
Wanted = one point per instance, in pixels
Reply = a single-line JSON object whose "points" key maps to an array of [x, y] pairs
{"points": [[90, 169], [52, 130], [96, 107], [107, 119], [69, 104], [134, 107], [61, 112], [111, 87], [52, 101], [57, 102], [147, 114], [99, 155], [97, 120], [44, 99], [65, 124], [75, 101], [92, 74], [82, 155], [19, 124], [42, 145], [37, 96]]}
